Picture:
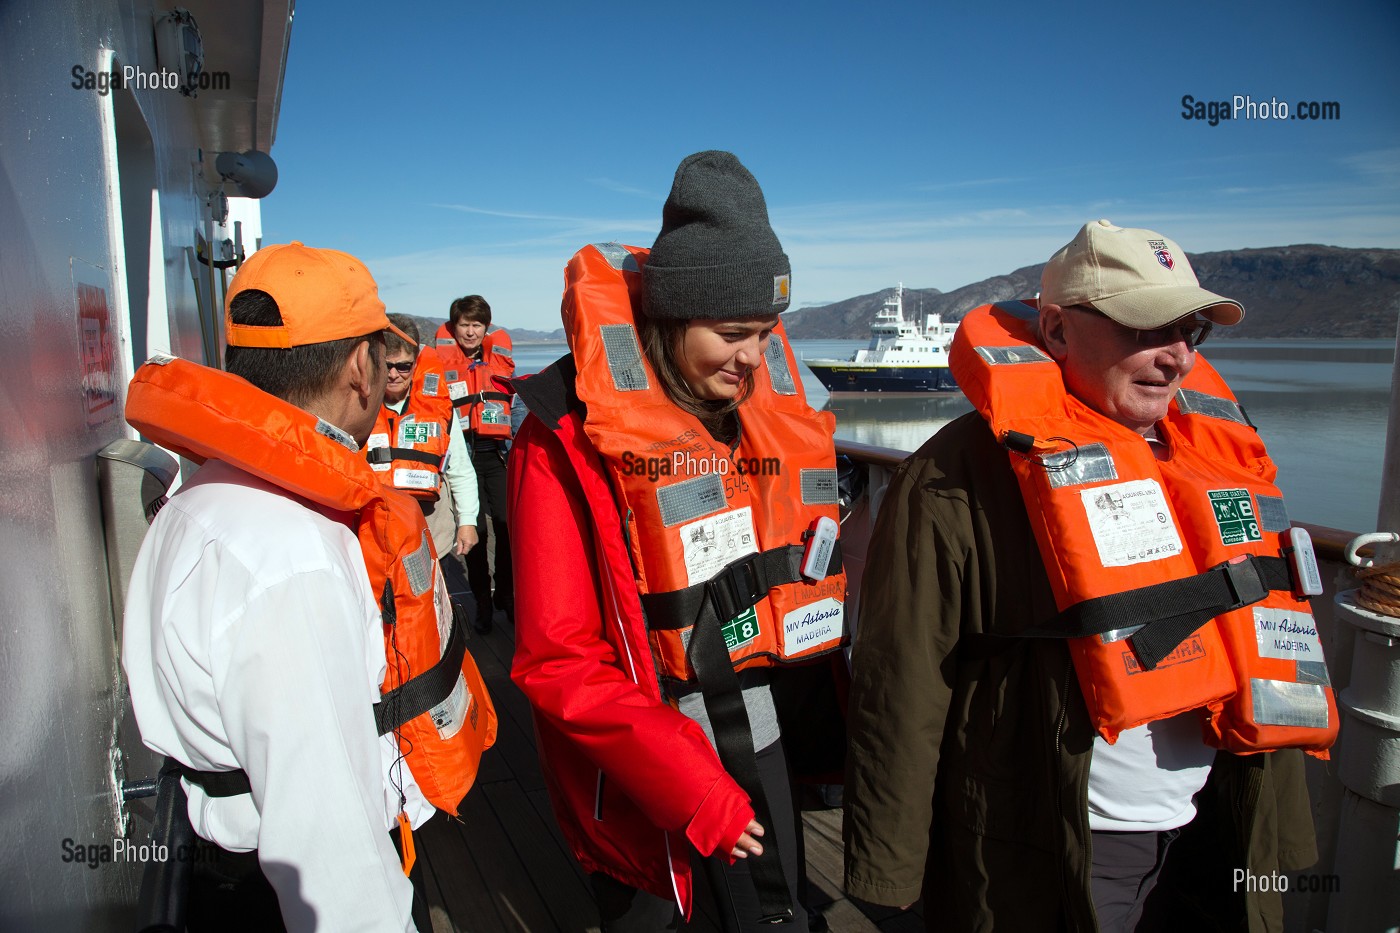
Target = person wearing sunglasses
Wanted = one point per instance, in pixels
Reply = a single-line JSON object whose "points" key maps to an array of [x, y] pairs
{"points": [[987, 772], [417, 446]]}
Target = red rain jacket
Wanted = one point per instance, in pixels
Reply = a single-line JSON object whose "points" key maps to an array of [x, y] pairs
{"points": [[631, 779]]}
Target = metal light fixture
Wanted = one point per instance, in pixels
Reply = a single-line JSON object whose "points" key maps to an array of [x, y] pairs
{"points": [[180, 49]]}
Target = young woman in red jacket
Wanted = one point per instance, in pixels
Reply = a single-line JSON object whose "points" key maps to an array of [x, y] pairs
{"points": [[626, 482]]}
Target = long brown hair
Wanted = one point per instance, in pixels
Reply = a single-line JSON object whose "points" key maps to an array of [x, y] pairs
{"points": [[661, 340]]}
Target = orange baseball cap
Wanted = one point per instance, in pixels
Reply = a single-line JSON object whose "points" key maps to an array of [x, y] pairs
{"points": [[323, 295]]}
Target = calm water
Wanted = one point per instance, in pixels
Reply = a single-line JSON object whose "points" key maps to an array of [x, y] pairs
{"points": [[1323, 416]]}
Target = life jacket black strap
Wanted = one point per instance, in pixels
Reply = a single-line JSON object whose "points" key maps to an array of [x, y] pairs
{"points": [[478, 397], [737, 587], [707, 606], [215, 783], [419, 694], [400, 705], [1169, 612], [377, 455]]}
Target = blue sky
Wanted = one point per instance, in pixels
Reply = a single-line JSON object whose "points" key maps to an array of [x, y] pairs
{"points": [[474, 147]]}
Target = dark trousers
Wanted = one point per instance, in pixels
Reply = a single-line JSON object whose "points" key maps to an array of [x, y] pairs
{"points": [[624, 909], [230, 894], [1126, 867], [490, 466]]}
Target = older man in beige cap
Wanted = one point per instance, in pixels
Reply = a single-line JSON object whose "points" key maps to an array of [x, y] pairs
{"points": [[976, 775]]}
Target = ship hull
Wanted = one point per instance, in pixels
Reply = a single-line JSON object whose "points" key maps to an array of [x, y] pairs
{"points": [[850, 377]]}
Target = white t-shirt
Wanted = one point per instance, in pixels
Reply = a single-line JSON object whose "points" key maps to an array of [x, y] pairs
{"points": [[252, 640], [1145, 781]]}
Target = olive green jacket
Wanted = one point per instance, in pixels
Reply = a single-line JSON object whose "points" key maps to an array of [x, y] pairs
{"points": [[968, 765]]}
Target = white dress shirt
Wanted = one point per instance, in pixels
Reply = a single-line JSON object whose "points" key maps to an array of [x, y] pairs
{"points": [[252, 639]]}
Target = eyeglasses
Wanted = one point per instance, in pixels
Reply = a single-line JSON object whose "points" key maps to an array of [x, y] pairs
{"points": [[405, 367], [1194, 330]]}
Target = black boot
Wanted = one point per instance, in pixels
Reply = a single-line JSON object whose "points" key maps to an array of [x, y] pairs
{"points": [[482, 622]]}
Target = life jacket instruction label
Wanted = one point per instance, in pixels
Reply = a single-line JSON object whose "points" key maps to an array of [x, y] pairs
{"points": [[1131, 523], [449, 715], [811, 625], [712, 543], [1235, 516], [1287, 634]]}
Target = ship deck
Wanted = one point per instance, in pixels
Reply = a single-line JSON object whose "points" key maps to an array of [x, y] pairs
{"points": [[519, 875]]}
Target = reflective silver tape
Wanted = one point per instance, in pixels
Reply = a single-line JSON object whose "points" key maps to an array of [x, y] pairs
{"points": [[778, 373], [819, 487], [1001, 356], [1283, 703], [691, 499], [1191, 402], [1118, 634], [1273, 514], [1091, 463], [431, 384], [618, 257], [1313, 672], [419, 567], [624, 355]]}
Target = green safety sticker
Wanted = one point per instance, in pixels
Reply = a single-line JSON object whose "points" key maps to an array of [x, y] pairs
{"points": [[1235, 516], [411, 433], [740, 630]]}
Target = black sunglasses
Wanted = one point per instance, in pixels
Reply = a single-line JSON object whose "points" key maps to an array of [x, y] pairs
{"points": [[1194, 330], [405, 367]]}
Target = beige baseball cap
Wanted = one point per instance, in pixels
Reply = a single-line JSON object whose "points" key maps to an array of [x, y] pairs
{"points": [[1139, 278]]}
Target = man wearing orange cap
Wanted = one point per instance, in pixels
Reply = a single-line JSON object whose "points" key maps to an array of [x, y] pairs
{"points": [[252, 637], [994, 767]]}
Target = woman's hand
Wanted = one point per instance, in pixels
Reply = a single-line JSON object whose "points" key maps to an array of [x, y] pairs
{"points": [[747, 844]]}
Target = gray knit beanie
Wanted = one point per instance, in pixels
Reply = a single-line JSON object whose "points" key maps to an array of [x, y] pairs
{"points": [[716, 255]]}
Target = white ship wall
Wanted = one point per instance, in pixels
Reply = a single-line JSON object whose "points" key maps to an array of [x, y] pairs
{"points": [[69, 226]]}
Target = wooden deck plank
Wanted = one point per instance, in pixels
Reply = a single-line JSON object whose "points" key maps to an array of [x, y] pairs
{"points": [[517, 901], [539, 800], [548, 867], [454, 880]]}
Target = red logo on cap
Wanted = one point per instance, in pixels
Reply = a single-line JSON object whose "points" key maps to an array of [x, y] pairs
{"points": [[1164, 257]]}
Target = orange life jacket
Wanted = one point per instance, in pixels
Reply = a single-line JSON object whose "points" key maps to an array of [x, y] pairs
{"points": [[482, 404], [433, 697], [705, 522], [1186, 554], [407, 448]]}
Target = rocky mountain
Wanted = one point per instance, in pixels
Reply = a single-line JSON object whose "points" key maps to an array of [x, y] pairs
{"points": [[1305, 291]]}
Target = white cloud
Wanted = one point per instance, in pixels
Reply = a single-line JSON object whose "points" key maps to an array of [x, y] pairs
{"points": [[847, 248]]}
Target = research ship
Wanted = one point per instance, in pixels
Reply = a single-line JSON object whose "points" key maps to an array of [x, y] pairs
{"points": [[903, 355]]}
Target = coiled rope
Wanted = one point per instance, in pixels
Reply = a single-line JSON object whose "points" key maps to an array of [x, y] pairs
{"points": [[1380, 588]]}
